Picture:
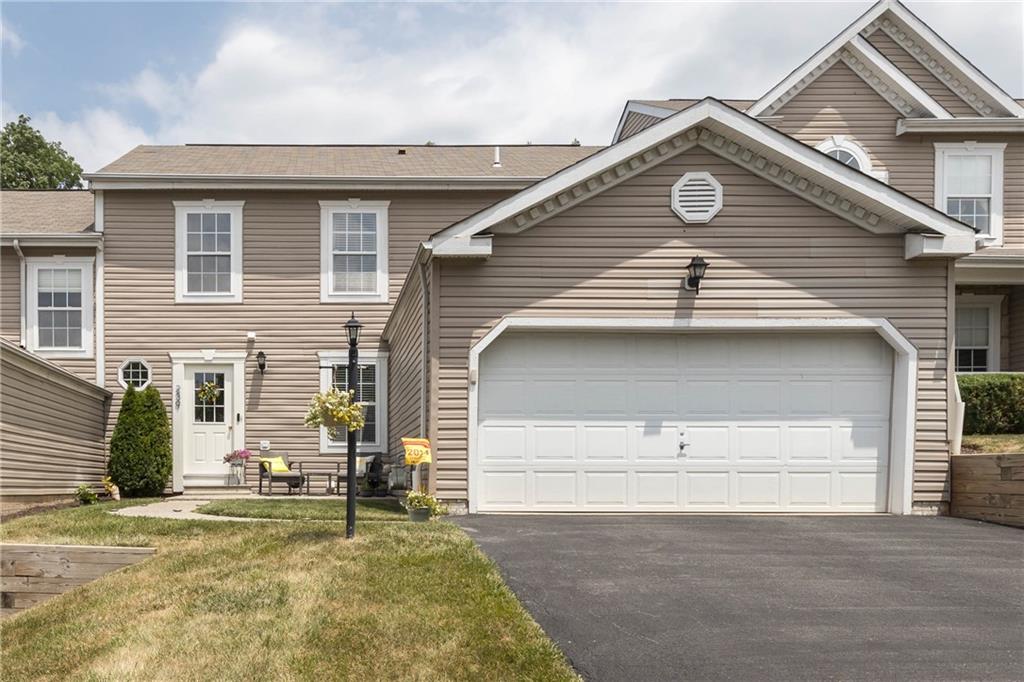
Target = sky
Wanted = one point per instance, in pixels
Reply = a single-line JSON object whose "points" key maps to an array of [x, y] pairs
{"points": [[105, 77]]}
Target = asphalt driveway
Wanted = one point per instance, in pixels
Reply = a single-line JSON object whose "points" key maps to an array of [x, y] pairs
{"points": [[769, 597]]}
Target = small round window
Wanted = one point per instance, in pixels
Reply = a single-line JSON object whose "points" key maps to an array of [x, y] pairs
{"points": [[134, 372], [844, 157]]}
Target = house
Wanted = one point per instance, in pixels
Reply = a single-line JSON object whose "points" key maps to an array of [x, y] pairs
{"points": [[538, 311]]}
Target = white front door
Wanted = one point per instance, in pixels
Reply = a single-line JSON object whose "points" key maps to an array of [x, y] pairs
{"points": [[795, 422], [209, 420]]}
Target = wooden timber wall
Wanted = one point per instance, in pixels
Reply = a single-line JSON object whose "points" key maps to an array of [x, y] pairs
{"points": [[989, 488]]}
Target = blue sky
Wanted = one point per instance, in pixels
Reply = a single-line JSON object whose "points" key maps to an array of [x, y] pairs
{"points": [[103, 77]]}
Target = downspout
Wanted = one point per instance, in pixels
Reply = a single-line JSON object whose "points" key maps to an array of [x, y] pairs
{"points": [[23, 294], [424, 360], [99, 313]]}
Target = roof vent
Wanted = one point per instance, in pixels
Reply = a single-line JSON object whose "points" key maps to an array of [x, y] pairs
{"points": [[697, 197], [401, 152], [497, 158]]}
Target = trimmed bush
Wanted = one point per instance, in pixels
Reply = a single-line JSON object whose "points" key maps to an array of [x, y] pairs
{"points": [[994, 403], [140, 448]]}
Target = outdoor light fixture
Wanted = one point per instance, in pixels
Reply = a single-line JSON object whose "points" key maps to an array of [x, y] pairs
{"points": [[695, 273], [352, 328], [261, 362]]}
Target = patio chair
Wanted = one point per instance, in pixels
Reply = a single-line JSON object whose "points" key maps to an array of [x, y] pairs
{"points": [[291, 476]]}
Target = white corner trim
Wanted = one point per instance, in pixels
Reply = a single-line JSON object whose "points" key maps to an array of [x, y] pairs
{"points": [[995, 150], [31, 311], [696, 212], [354, 205], [921, 99], [904, 386], [994, 304], [181, 211], [98, 216], [179, 359]]}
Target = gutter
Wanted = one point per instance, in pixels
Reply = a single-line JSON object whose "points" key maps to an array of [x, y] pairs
{"points": [[101, 181], [73, 239], [959, 125]]}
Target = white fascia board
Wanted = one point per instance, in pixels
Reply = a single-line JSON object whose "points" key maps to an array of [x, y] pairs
{"points": [[954, 58], [749, 128], [896, 78], [818, 57], [938, 246], [101, 181], [973, 124], [639, 108]]}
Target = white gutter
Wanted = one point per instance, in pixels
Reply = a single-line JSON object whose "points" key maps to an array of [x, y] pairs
{"points": [[23, 296], [100, 318], [101, 181], [975, 124], [75, 239]]}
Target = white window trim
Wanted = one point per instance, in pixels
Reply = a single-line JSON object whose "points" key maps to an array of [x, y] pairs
{"points": [[994, 303], [31, 313], [329, 208], [992, 149], [834, 142], [120, 376], [366, 357], [181, 211]]}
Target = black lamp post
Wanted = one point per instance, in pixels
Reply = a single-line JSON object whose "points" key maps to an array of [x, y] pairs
{"points": [[695, 273], [352, 329]]}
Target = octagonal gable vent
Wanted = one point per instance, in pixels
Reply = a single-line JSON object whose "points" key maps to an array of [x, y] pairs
{"points": [[697, 197]]}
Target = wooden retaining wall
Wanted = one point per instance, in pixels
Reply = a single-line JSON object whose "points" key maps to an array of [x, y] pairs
{"points": [[31, 574], [989, 488]]}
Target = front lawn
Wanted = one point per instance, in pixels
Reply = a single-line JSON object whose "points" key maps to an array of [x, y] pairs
{"points": [[993, 445], [318, 509], [243, 601]]}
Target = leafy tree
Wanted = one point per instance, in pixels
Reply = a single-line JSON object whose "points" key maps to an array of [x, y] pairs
{"points": [[29, 161], [140, 448]]}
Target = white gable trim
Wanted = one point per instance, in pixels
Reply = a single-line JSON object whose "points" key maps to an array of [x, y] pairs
{"points": [[659, 139], [895, 79]]}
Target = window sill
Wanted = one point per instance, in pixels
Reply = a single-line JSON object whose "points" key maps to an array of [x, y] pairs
{"points": [[198, 298], [68, 354], [353, 298]]}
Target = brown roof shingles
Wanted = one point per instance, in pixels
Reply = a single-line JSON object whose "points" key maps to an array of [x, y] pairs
{"points": [[417, 161], [46, 211]]}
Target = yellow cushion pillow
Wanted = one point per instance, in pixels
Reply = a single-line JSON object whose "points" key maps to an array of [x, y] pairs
{"points": [[276, 464]]}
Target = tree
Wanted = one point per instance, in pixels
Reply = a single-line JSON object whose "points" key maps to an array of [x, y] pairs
{"points": [[140, 448], [29, 161]]}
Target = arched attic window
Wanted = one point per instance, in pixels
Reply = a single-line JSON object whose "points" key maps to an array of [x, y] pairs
{"points": [[848, 152]]}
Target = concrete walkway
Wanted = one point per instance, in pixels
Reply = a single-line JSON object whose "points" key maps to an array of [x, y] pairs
{"points": [[181, 510]]}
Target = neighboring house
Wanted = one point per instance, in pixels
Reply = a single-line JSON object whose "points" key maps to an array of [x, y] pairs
{"points": [[527, 307]]}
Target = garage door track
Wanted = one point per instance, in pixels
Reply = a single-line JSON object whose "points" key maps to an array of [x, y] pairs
{"points": [[769, 597]]}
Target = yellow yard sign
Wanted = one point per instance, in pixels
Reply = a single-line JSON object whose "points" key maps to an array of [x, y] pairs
{"points": [[417, 451]]}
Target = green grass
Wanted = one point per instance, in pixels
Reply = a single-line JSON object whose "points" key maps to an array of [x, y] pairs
{"points": [[996, 445], [293, 601], [322, 509]]}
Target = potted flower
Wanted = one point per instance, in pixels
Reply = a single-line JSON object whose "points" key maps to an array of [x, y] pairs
{"points": [[334, 409], [423, 507]]}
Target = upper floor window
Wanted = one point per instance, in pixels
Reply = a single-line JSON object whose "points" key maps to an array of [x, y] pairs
{"points": [[354, 251], [372, 391], [208, 248], [977, 333], [849, 153], [59, 311], [969, 185]]}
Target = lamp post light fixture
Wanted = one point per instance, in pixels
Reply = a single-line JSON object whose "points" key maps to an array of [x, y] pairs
{"points": [[352, 329], [261, 362], [695, 273]]}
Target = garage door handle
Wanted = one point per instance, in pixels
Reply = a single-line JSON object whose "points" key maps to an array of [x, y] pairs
{"points": [[682, 447]]}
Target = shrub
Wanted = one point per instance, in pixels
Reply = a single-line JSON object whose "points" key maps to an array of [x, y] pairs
{"points": [[140, 448], [994, 403], [86, 495]]}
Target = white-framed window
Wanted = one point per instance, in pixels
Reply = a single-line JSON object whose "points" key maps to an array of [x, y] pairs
{"points": [[977, 333], [354, 251], [59, 294], [208, 251], [373, 386], [135, 372], [849, 153], [969, 185]]}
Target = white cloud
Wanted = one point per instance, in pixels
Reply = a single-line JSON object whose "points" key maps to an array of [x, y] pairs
{"points": [[507, 74], [10, 39]]}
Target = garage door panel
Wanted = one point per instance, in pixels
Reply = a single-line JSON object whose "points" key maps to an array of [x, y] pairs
{"points": [[772, 422]]}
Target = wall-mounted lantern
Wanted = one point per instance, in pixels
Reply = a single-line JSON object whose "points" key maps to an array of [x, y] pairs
{"points": [[695, 273], [261, 362]]}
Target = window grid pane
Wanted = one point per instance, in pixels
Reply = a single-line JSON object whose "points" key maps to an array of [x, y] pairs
{"points": [[972, 339], [209, 411], [366, 392], [135, 373], [208, 250], [354, 252], [59, 307]]}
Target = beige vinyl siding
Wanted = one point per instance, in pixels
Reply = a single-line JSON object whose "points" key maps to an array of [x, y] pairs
{"points": [[10, 302], [281, 296], [838, 102], [624, 252], [1015, 325], [906, 63], [636, 122], [51, 428], [406, 376]]}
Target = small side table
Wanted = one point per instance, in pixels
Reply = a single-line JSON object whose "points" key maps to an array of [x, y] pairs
{"points": [[237, 473]]}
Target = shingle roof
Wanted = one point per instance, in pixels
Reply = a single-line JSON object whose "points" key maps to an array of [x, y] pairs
{"points": [[356, 161], [680, 104], [46, 211]]}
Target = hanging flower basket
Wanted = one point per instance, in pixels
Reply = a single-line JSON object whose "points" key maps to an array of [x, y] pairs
{"points": [[335, 411]]}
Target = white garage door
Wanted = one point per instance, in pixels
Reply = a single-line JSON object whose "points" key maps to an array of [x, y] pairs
{"points": [[695, 422]]}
